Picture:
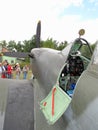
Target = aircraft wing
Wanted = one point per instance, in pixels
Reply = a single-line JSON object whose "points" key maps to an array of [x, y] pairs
{"points": [[16, 105]]}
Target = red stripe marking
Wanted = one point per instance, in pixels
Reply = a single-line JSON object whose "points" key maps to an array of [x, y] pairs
{"points": [[53, 92]]}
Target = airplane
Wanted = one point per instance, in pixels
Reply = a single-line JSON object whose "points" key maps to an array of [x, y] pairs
{"points": [[64, 82], [48, 66]]}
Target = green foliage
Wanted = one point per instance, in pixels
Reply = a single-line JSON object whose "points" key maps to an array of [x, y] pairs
{"points": [[62, 45], [85, 51], [3, 43], [93, 46], [49, 43], [28, 45], [11, 45], [24, 62], [19, 47]]}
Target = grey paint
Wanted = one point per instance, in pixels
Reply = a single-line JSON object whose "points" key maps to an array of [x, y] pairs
{"points": [[46, 65]]}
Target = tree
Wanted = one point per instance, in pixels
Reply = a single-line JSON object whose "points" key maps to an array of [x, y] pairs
{"points": [[86, 52], [29, 44], [49, 43], [62, 45], [19, 47], [93, 46], [4, 43], [11, 45]]}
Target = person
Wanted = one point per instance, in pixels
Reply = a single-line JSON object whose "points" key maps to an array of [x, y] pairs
{"points": [[18, 71], [0, 69], [25, 71], [9, 71], [5, 63], [3, 70]]}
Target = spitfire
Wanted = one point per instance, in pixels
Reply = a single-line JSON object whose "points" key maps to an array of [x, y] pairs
{"points": [[68, 72]]}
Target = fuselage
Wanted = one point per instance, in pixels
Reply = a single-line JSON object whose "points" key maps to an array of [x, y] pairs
{"points": [[46, 65]]}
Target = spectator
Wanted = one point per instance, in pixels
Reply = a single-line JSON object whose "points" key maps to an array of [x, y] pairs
{"points": [[3, 70], [0, 69], [18, 71], [9, 71], [25, 71]]}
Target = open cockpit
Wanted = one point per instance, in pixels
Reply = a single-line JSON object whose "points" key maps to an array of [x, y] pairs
{"points": [[70, 73], [74, 66], [59, 98]]}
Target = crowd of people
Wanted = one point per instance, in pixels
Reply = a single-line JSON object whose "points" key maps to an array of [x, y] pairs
{"points": [[6, 70]]}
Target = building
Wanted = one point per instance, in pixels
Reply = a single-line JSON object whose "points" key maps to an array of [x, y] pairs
{"points": [[13, 57], [10, 56]]}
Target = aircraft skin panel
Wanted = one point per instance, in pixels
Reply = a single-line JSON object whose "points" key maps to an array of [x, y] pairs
{"points": [[54, 105], [85, 101], [43, 71], [82, 113], [3, 102], [93, 66], [66, 50], [40, 121]]}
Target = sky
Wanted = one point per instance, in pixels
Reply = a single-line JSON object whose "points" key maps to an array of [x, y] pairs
{"points": [[60, 19]]}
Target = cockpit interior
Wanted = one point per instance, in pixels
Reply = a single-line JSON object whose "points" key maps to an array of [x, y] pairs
{"points": [[70, 73], [74, 66]]}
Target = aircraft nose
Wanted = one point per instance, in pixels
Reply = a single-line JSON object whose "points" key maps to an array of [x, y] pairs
{"points": [[33, 52], [31, 55]]}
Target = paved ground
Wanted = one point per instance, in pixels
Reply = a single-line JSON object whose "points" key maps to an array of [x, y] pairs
{"points": [[20, 105]]}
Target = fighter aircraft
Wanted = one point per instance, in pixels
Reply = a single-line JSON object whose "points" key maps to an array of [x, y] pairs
{"points": [[64, 94], [65, 85], [65, 91]]}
